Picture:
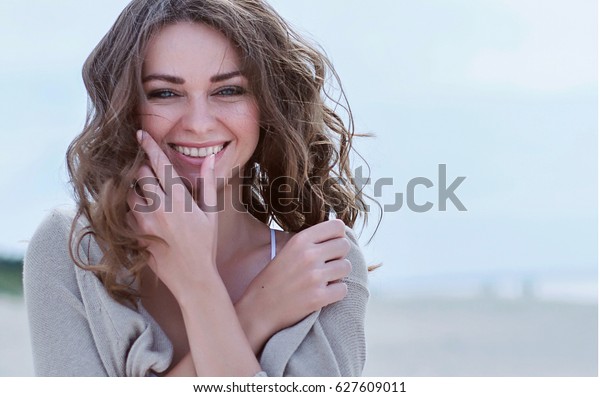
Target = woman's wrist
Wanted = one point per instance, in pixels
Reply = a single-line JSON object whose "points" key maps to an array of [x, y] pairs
{"points": [[255, 322], [204, 289], [218, 343]]}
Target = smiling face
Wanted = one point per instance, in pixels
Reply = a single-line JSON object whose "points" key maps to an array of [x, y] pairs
{"points": [[196, 100]]}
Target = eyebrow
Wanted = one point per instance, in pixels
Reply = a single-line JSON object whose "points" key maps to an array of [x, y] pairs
{"points": [[178, 80], [225, 76], [163, 77]]}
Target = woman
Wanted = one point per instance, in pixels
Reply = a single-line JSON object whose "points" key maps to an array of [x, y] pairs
{"points": [[206, 124]]}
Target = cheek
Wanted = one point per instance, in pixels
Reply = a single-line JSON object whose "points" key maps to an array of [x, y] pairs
{"points": [[242, 119], [251, 132], [252, 123], [148, 123], [145, 117], [156, 123]]}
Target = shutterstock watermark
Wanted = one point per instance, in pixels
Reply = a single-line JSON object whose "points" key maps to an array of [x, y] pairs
{"points": [[289, 196], [445, 192]]}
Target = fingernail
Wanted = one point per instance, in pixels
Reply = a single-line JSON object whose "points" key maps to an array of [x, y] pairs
{"points": [[211, 162], [140, 135]]}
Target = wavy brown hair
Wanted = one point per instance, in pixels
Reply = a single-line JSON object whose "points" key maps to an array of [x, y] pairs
{"points": [[300, 172]]}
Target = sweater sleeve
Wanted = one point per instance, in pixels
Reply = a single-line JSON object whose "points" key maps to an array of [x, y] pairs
{"points": [[329, 342], [62, 341], [77, 328]]}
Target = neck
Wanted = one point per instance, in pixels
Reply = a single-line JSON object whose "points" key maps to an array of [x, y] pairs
{"points": [[237, 228]]}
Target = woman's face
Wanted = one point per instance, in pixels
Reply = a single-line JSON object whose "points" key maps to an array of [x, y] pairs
{"points": [[196, 101]]}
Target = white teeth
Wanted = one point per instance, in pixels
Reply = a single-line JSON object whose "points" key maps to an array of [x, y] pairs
{"points": [[198, 152]]}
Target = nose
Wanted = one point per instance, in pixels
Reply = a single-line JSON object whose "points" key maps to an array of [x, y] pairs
{"points": [[199, 117]]}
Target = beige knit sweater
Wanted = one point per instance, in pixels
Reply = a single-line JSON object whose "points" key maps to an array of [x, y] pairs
{"points": [[77, 329]]}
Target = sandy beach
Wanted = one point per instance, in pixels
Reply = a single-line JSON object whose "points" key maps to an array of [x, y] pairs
{"points": [[427, 337], [481, 337]]}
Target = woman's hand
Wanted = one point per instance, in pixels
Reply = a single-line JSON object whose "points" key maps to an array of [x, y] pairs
{"points": [[185, 263], [170, 213], [304, 277]]}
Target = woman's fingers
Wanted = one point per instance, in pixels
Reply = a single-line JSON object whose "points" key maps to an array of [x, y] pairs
{"points": [[162, 167], [137, 204], [334, 292], [323, 231], [336, 270], [144, 198], [208, 195], [149, 190], [334, 249]]}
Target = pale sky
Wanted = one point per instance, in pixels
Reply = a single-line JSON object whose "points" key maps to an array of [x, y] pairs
{"points": [[503, 92]]}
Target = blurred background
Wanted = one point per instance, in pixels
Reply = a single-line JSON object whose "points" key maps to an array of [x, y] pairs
{"points": [[503, 92]]}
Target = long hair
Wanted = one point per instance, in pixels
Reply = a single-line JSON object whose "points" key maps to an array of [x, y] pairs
{"points": [[299, 174]]}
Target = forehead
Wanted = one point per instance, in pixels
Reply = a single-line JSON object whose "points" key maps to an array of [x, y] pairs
{"points": [[190, 49]]}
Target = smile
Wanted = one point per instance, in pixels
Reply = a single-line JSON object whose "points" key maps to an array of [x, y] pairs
{"points": [[198, 151]]}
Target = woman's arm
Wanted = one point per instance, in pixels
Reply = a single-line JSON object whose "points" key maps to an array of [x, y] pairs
{"points": [[223, 339], [301, 279], [329, 342], [186, 264], [218, 344]]}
